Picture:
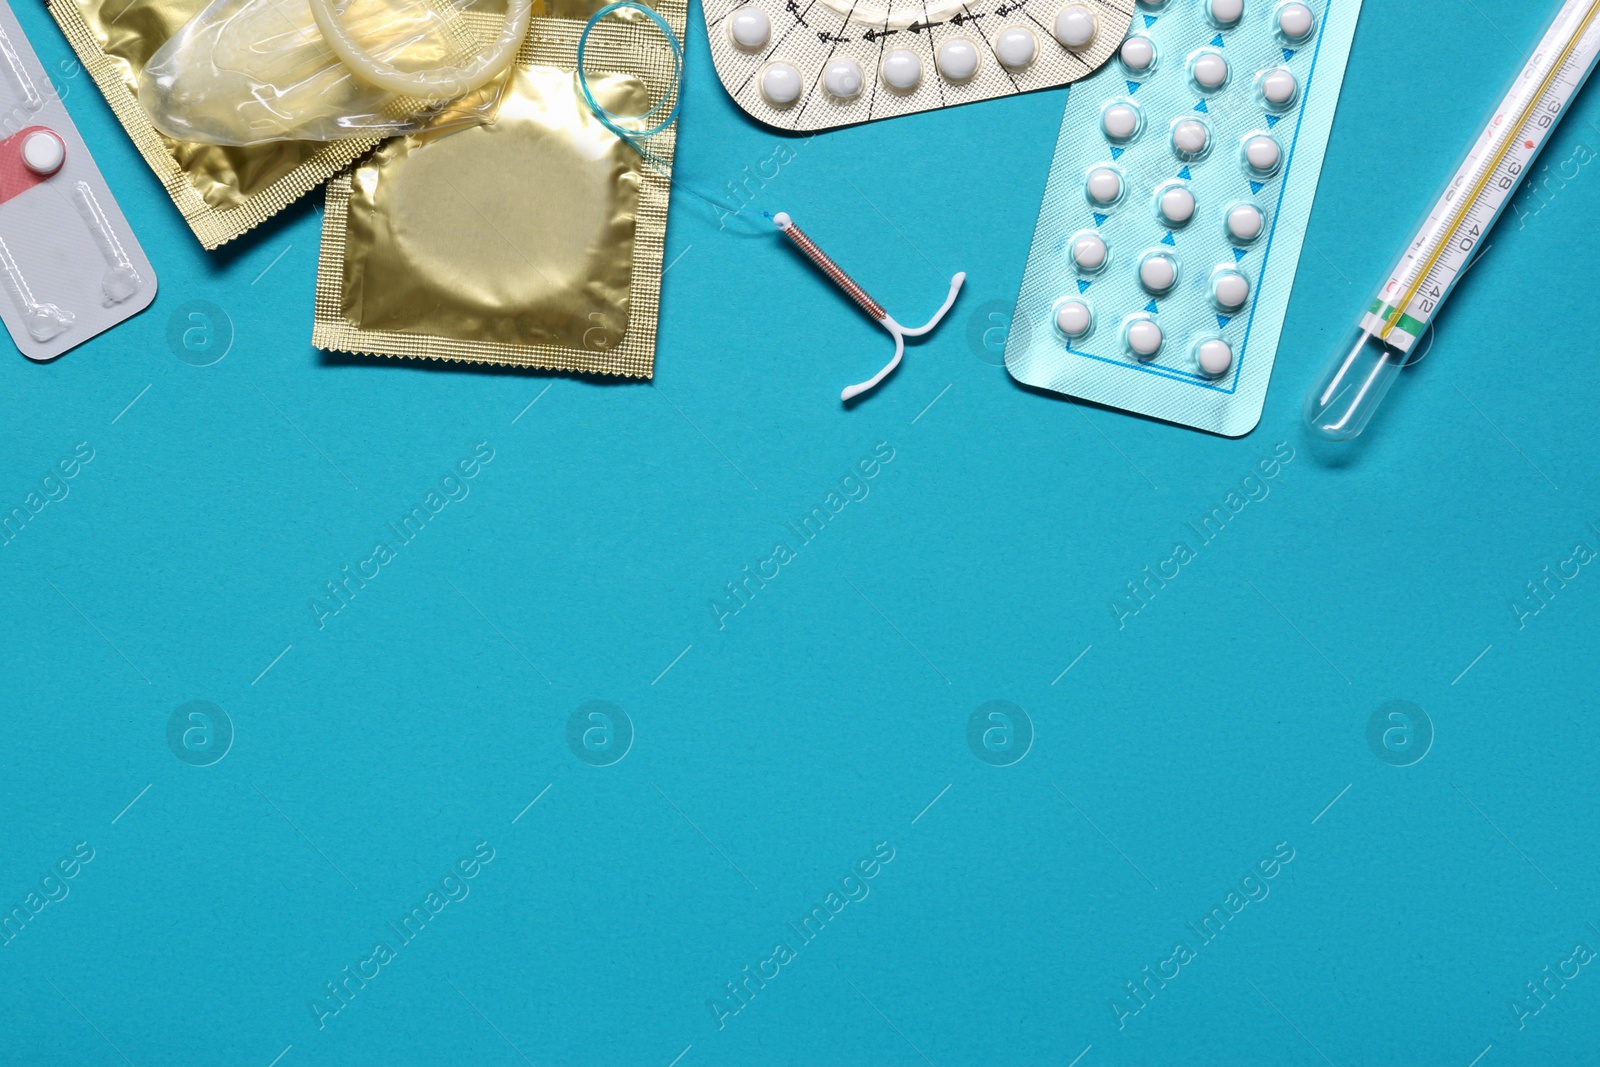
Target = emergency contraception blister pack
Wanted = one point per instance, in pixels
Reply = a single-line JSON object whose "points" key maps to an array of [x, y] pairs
{"points": [[1176, 205], [69, 264], [817, 64]]}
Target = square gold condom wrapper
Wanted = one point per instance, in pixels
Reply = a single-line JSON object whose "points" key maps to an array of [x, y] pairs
{"points": [[222, 191], [535, 241]]}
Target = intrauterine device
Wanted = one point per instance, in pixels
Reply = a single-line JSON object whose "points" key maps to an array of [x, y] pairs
{"points": [[817, 64], [1354, 383], [786, 225], [69, 264]]}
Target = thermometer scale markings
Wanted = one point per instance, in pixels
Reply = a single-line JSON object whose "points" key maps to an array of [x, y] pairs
{"points": [[1400, 323]]}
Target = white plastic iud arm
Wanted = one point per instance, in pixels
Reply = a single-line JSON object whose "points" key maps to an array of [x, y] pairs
{"points": [[867, 304]]}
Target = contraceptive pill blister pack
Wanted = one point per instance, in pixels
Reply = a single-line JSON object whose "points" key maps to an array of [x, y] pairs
{"points": [[817, 64], [69, 265], [1177, 202]]}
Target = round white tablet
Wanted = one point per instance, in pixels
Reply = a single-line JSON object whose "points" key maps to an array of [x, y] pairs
{"points": [[1245, 222], [1075, 27], [780, 84], [1210, 70], [1190, 137], [1215, 357], [1295, 21], [1279, 86], [957, 59], [1226, 12], [1089, 252], [1231, 290], [902, 70], [1144, 338], [1138, 53], [842, 78], [1158, 273], [1105, 185], [1120, 122], [1073, 318], [43, 152], [1262, 153], [1015, 47], [1176, 205], [749, 28]]}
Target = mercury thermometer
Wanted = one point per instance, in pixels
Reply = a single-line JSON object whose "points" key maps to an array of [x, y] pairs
{"points": [[1354, 383]]}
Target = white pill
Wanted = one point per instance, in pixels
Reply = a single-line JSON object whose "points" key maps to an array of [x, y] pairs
{"points": [[1177, 205], [1144, 338], [1226, 12], [780, 84], [1105, 185], [1245, 222], [1190, 137], [43, 153], [1073, 318], [1015, 47], [1231, 289], [1158, 273], [1214, 357], [1279, 86], [1210, 70], [1075, 27], [1138, 54], [1089, 252], [957, 59], [1120, 122], [1262, 153], [842, 78], [902, 70], [749, 28], [1295, 21]]}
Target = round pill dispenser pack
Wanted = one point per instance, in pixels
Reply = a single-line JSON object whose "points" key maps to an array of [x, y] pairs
{"points": [[816, 64], [1176, 207]]}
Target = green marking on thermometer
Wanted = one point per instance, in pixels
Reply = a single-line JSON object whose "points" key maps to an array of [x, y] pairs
{"points": [[1346, 395]]}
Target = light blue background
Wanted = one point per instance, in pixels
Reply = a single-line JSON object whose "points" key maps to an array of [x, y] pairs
{"points": [[1175, 753]]}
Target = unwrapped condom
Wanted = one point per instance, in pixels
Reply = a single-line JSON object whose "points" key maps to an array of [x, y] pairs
{"points": [[245, 72]]}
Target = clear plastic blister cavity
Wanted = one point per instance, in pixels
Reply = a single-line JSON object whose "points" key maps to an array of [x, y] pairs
{"points": [[1177, 201]]}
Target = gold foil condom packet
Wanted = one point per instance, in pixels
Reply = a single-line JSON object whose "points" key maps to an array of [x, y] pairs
{"points": [[534, 241], [222, 191]]}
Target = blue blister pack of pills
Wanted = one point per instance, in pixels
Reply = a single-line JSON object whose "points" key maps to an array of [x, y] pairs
{"points": [[1177, 201]]}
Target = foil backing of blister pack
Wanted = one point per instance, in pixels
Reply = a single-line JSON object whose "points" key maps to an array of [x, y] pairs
{"points": [[1175, 383]]}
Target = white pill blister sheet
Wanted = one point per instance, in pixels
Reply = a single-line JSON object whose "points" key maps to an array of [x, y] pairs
{"points": [[817, 64], [69, 265], [1177, 202]]}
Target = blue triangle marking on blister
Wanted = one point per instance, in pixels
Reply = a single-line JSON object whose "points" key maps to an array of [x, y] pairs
{"points": [[1083, 286], [1201, 106], [1288, 54], [1185, 174], [1240, 253], [1167, 240], [1223, 320], [1099, 218], [1256, 187], [1216, 42], [1151, 307], [1133, 87], [1149, 20], [1272, 121], [1116, 153]]}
